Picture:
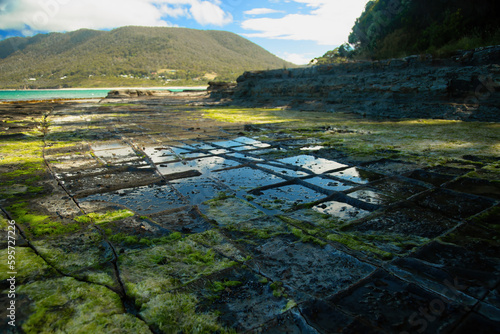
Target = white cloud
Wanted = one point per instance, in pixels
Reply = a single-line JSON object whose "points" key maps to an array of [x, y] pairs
{"points": [[261, 11], [68, 15], [328, 22], [206, 13], [297, 59]]}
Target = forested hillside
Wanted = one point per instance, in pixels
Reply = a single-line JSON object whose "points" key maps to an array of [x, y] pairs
{"points": [[397, 28], [129, 56]]}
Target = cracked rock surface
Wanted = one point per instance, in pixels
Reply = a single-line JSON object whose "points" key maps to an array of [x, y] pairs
{"points": [[152, 215]]}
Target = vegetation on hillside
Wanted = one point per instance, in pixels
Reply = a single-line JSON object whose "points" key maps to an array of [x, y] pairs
{"points": [[398, 28], [129, 56]]}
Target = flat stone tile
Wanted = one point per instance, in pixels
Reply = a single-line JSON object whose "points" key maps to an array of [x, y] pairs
{"points": [[476, 323], [162, 268], [390, 167], [244, 156], [399, 188], [325, 318], [73, 253], [116, 155], [376, 299], [454, 204], [243, 298], [203, 165], [328, 184], [250, 234], [143, 200], [283, 171], [227, 143], [111, 181], [247, 140], [370, 196], [407, 221], [159, 154], [468, 259], [185, 220], [477, 187], [315, 270], [433, 178], [286, 197], [197, 189], [230, 211]]}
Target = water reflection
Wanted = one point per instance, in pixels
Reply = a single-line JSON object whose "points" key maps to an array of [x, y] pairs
{"points": [[316, 165], [285, 197], [371, 197], [357, 175], [341, 210], [143, 200], [246, 178], [328, 184], [203, 165]]}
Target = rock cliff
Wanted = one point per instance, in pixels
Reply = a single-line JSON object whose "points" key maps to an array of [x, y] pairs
{"points": [[465, 87]]}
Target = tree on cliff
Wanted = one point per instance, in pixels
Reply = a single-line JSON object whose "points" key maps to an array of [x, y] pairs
{"points": [[396, 28]]}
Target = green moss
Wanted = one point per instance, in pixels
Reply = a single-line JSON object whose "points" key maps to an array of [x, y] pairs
{"points": [[352, 242], [242, 115], [231, 211], [219, 286], [39, 225], [289, 305], [278, 289], [70, 255], [489, 219], [65, 305], [174, 313], [307, 238], [176, 263], [28, 265], [131, 240], [216, 240], [309, 219], [102, 218]]}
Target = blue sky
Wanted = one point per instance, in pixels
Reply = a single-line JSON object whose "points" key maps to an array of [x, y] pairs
{"points": [[295, 30]]}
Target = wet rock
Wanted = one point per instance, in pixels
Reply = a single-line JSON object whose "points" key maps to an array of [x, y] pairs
{"points": [[418, 309]]}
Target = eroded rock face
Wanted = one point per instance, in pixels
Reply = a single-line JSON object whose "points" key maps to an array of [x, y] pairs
{"points": [[465, 87]]}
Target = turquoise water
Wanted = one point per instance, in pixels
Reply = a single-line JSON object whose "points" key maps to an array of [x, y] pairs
{"points": [[47, 94]]}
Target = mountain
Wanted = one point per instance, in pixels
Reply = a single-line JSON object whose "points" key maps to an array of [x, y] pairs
{"points": [[129, 56]]}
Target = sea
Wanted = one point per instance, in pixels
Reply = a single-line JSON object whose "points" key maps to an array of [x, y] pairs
{"points": [[49, 94]]}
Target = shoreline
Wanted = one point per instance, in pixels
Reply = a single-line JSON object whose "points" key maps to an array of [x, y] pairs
{"points": [[106, 88]]}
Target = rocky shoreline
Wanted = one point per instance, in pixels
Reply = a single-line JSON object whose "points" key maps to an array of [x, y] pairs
{"points": [[465, 87]]}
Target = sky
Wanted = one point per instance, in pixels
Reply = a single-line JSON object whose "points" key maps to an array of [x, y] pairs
{"points": [[294, 30]]}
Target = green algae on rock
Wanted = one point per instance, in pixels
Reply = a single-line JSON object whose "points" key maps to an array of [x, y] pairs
{"points": [[174, 312], [102, 218], [67, 305]]}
